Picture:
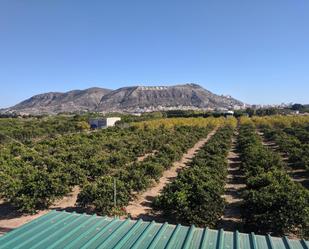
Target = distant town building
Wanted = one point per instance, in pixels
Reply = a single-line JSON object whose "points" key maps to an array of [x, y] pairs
{"points": [[98, 123]]}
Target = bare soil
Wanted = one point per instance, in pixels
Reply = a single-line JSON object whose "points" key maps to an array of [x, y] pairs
{"points": [[299, 175], [234, 186], [10, 218], [141, 206], [142, 158]]}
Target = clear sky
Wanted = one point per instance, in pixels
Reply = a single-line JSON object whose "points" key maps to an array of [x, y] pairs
{"points": [[255, 50]]}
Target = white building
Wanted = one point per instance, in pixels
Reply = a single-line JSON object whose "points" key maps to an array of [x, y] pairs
{"points": [[103, 122]]}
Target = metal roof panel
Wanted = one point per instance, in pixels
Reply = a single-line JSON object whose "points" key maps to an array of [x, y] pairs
{"points": [[72, 230]]}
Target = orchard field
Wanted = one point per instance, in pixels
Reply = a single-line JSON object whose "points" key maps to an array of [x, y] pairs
{"points": [[35, 173], [111, 167]]}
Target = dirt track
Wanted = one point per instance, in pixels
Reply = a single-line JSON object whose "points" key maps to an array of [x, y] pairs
{"points": [[10, 218], [141, 206], [299, 175], [231, 219]]}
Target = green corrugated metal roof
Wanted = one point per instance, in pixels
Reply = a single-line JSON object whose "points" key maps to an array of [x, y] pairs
{"points": [[72, 230]]}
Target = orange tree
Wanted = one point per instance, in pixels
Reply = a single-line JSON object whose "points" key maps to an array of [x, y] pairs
{"points": [[273, 203], [195, 196]]}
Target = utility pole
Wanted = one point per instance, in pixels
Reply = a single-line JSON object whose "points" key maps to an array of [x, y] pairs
{"points": [[115, 193]]}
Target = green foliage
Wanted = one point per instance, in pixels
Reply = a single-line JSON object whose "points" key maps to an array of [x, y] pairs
{"points": [[31, 188], [35, 172], [82, 126], [99, 195], [275, 204], [297, 107], [272, 201], [292, 141], [137, 176], [195, 196], [28, 129]]}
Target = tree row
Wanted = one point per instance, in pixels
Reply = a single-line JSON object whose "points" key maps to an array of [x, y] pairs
{"points": [[272, 201], [32, 177], [194, 197]]}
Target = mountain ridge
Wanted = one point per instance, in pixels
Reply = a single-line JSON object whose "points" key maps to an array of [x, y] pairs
{"points": [[125, 99]]}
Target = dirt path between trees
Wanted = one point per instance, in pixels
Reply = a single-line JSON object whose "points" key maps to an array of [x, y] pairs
{"points": [[142, 158], [10, 218], [235, 183], [141, 206], [299, 175]]}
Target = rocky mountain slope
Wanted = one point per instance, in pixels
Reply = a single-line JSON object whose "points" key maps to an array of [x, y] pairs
{"points": [[189, 95], [137, 98], [55, 102]]}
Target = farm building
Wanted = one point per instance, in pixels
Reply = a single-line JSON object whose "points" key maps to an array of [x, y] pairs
{"points": [[71, 230], [103, 122], [228, 114]]}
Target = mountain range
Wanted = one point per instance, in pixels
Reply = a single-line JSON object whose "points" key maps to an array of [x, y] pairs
{"points": [[126, 99]]}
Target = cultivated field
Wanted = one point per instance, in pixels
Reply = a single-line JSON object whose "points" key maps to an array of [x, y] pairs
{"points": [[249, 174]]}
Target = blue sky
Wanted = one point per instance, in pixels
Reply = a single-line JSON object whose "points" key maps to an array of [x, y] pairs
{"points": [[257, 51]]}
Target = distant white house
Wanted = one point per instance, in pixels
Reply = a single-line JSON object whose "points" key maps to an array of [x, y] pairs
{"points": [[230, 112], [98, 123]]}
